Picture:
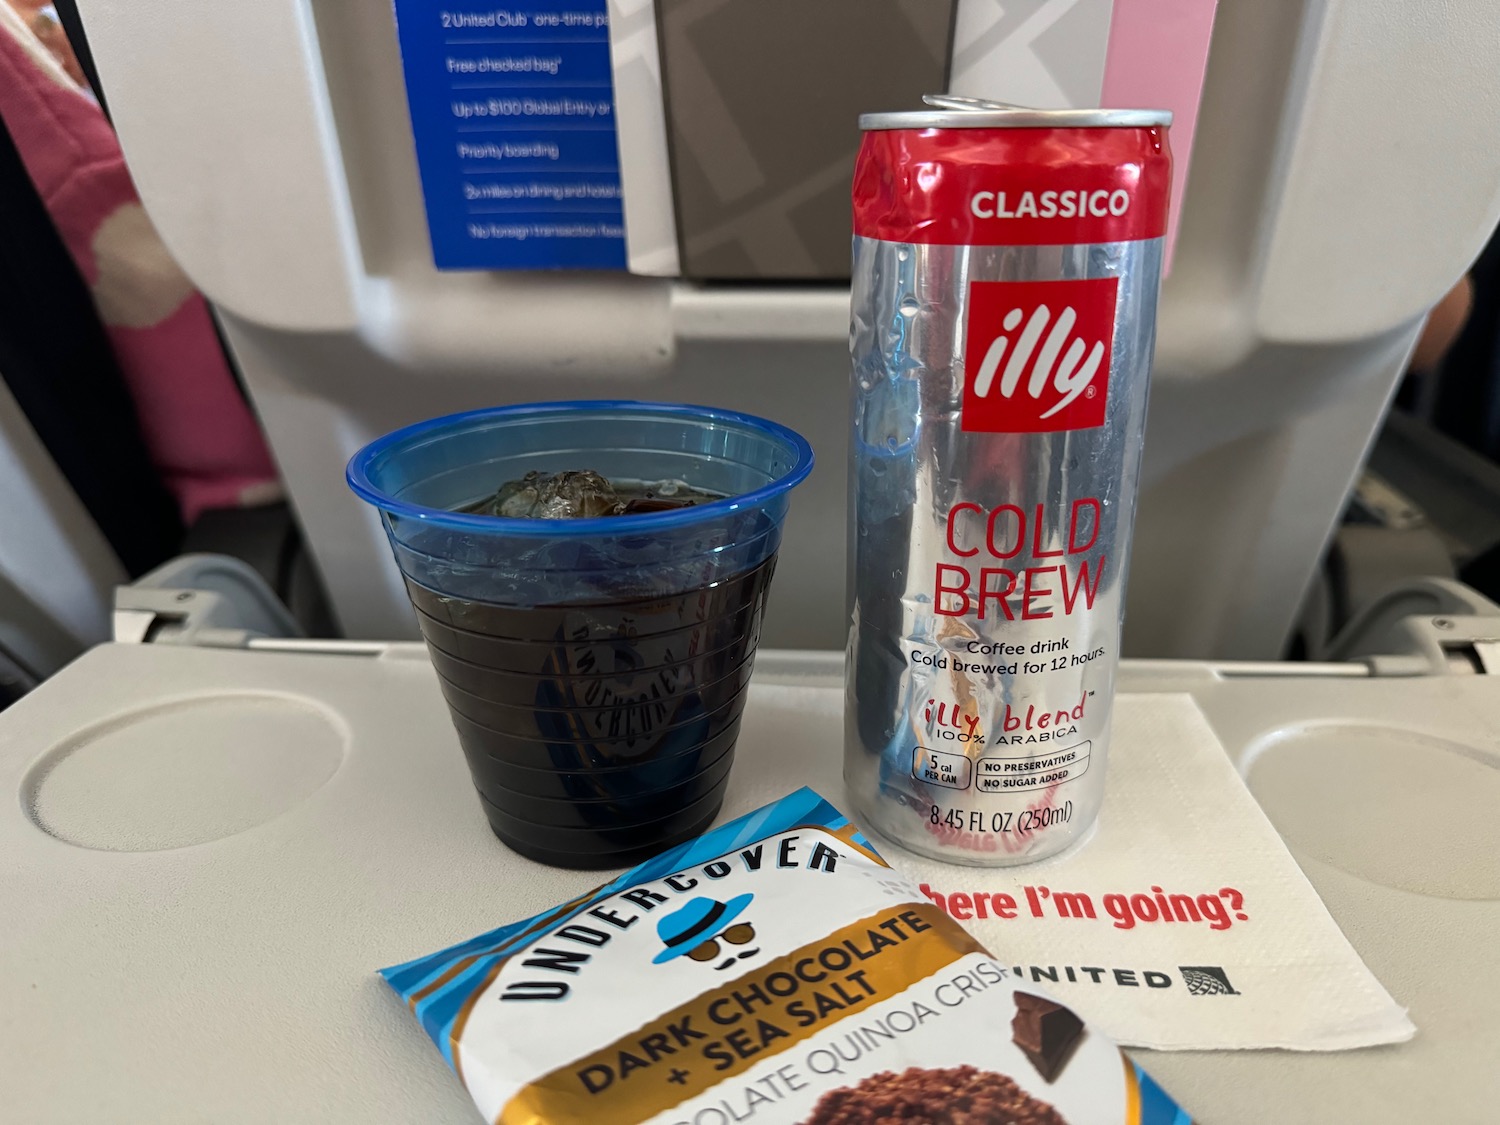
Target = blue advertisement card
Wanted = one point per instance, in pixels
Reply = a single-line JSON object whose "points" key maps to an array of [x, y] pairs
{"points": [[513, 113]]}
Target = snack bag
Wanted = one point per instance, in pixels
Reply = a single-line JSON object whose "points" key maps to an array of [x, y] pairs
{"points": [[773, 970]]}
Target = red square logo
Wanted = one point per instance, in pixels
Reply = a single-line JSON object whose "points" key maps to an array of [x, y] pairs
{"points": [[1038, 355]]}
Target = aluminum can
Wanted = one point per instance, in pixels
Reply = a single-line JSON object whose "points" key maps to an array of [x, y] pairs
{"points": [[1006, 270]]}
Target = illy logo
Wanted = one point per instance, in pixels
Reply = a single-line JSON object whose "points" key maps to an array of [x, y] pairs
{"points": [[1038, 355]]}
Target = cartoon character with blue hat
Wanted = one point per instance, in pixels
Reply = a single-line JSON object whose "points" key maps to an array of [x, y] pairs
{"points": [[704, 928]]}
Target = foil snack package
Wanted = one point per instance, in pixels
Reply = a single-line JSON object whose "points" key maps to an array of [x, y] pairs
{"points": [[772, 970]]}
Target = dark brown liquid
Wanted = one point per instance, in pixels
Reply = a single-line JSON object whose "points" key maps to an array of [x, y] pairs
{"points": [[598, 734]]}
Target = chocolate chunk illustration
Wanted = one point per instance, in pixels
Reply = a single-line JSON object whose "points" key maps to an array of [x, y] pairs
{"points": [[1046, 1032]]}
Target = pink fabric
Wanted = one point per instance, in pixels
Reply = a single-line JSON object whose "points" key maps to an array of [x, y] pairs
{"points": [[201, 435], [1157, 53]]}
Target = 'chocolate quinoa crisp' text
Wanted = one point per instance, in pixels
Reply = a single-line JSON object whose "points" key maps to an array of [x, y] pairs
{"points": [[961, 1095]]}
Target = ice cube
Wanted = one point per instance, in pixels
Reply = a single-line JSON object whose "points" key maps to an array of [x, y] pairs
{"points": [[585, 494]]}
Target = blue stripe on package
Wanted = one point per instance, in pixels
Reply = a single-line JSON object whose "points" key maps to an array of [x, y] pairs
{"points": [[775, 968]]}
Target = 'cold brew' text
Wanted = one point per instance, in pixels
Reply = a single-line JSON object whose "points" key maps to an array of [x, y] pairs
{"points": [[1001, 542]]}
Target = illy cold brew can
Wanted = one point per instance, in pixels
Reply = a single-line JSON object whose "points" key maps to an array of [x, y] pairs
{"points": [[1006, 270]]}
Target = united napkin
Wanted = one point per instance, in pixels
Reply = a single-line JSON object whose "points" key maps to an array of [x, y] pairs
{"points": [[1181, 923]]}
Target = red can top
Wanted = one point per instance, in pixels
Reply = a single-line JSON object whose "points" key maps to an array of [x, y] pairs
{"points": [[1012, 186]]}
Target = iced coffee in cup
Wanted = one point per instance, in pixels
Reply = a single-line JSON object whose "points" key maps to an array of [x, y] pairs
{"points": [[590, 579]]}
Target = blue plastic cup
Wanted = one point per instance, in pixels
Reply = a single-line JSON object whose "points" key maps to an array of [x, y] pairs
{"points": [[596, 669]]}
